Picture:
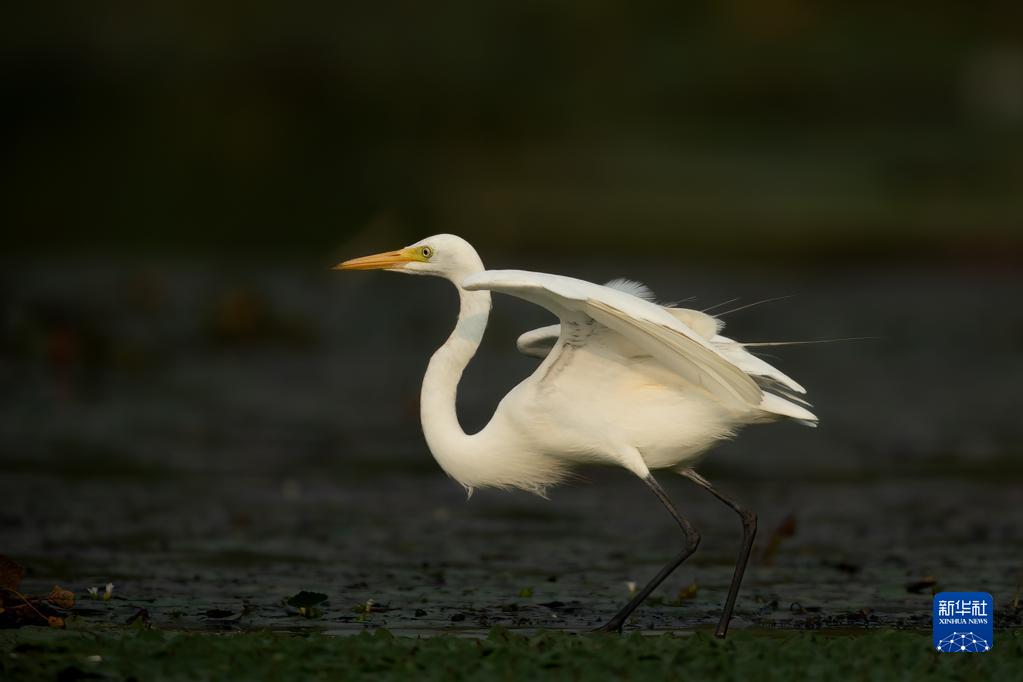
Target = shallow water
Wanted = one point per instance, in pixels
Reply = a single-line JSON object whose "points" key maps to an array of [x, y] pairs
{"points": [[222, 440]]}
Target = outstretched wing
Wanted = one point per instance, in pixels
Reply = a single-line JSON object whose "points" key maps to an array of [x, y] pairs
{"points": [[646, 325], [540, 342]]}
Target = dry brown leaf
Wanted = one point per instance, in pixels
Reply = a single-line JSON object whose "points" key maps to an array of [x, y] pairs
{"points": [[11, 573], [61, 598], [22, 614], [18, 609]]}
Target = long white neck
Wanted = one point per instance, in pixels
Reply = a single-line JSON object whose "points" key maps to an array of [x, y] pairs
{"points": [[453, 449]]}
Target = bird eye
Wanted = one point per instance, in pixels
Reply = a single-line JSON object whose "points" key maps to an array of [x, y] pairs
{"points": [[426, 251]]}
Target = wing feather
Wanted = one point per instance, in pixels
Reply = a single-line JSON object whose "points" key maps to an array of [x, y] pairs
{"points": [[646, 324], [751, 364], [703, 324]]}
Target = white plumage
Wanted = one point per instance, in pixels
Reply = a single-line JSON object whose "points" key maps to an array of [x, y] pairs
{"points": [[623, 381]]}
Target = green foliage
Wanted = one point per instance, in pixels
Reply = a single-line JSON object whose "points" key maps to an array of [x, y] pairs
{"points": [[36, 653]]}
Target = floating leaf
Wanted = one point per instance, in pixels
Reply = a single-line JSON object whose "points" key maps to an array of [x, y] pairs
{"points": [[305, 599], [526, 592]]}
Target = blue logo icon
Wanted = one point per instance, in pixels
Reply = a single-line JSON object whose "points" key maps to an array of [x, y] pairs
{"points": [[964, 622]]}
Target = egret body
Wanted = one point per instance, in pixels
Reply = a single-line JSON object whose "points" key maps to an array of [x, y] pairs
{"points": [[622, 381]]}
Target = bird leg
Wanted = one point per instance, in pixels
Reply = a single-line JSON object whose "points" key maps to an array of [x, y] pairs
{"points": [[749, 531], [691, 539]]}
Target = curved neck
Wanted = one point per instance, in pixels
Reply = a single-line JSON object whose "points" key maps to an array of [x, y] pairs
{"points": [[444, 435]]}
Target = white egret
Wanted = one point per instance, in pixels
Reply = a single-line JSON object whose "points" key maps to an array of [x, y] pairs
{"points": [[623, 381]]}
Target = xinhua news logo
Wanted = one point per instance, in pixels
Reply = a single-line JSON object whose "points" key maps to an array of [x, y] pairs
{"points": [[964, 622]]}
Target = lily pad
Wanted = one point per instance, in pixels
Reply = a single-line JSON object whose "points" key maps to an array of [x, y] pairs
{"points": [[306, 599]]}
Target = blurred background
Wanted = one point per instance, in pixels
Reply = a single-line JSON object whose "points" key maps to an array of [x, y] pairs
{"points": [[193, 402]]}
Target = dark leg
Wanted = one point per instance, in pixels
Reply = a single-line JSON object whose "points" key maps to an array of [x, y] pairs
{"points": [[691, 539], [749, 531]]}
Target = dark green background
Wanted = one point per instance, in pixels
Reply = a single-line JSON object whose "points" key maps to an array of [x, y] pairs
{"points": [[776, 131]]}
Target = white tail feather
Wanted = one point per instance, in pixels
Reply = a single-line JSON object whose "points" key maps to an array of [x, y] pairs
{"points": [[775, 404], [631, 287]]}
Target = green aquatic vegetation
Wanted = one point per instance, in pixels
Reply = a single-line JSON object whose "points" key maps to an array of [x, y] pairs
{"points": [[307, 604], [37, 653]]}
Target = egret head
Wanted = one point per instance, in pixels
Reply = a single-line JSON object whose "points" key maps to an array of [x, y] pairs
{"points": [[442, 255]]}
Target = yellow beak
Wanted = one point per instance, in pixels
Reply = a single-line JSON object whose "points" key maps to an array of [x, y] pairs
{"points": [[379, 261]]}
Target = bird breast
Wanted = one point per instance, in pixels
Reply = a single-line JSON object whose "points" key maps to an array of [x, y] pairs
{"points": [[590, 404]]}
